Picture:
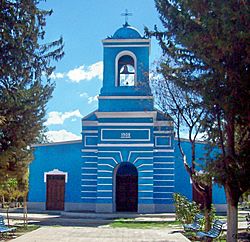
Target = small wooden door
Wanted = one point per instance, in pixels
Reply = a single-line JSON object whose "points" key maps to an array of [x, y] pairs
{"points": [[55, 192]]}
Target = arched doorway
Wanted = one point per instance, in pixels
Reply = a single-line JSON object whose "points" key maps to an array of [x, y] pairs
{"points": [[126, 188]]}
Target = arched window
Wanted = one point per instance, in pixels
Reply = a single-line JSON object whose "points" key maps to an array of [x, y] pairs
{"points": [[126, 70]]}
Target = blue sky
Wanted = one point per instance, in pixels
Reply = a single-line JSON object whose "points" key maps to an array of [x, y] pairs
{"points": [[78, 76]]}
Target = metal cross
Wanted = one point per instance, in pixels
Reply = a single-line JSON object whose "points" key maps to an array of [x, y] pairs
{"points": [[126, 14]]}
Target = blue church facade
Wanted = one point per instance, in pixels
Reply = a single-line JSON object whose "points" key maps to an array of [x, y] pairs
{"points": [[128, 159]]}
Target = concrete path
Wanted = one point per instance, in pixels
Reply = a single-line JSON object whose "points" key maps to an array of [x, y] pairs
{"points": [[103, 234]]}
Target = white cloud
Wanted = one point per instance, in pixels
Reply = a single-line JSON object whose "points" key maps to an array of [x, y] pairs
{"points": [[59, 117], [61, 135], [82, 73], [92, 99], [57, 75], [84, 95]]}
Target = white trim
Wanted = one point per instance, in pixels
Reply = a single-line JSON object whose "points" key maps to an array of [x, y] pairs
{"points": [[89, 168], [107, 171], [146, 177], [163, 168], [141, 157], [144, 165], [89, 156], [164, 180], [90, 132], [125, 40], [138, 114], [83, 191], [88, 185], [108, 158], [125, 145], [126, 124], [110, 177], [166, 163], [145, 184], [163, 156], [88, 197], [106, 165], [57, 143], [138, 151], [165, 146], [164, 150], [162, 198], [164, 174], [89, 179], [55, 172], [143, 198], [118, 56], [88, 136], [104, 197], [89, 150], [90, 162], [145, 191], [163, 132], [104, 191], [165, 186], [88, 174], [125, 97], [112, 151], [89, 123], [125, 139], [163, 123], [136, 45]]}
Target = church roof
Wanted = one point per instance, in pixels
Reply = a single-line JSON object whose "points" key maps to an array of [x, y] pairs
{"points": [[127, 32]]}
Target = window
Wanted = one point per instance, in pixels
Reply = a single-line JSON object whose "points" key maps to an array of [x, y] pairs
{"points": [[126, 70]]}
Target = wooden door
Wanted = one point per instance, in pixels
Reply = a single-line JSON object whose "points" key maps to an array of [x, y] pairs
{"points": [[126, 193], [55, 192]]}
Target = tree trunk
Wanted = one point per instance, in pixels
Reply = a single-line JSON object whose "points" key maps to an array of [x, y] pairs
{"points": [[232, 218], [25, 214]]}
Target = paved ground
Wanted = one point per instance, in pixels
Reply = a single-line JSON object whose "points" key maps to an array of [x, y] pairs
{"points": [[93, 227], [75, 234]]}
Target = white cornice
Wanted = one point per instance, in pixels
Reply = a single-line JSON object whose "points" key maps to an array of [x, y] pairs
{"points": [[58, 143], [125, 97], [126, 41], [125, 145], [149, 114], [163, 123]]}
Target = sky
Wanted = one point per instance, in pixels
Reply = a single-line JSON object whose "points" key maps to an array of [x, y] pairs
{"points": [[83, 24]]}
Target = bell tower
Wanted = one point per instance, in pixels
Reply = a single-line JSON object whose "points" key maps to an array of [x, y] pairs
{"points": [[126, 72]]}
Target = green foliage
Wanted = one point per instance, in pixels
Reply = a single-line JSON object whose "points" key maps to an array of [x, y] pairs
{"points": [[184, 209], [25, 86]]}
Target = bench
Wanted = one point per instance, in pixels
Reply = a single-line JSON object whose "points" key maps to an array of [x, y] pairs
{"points": [[196, 225], [214, 232], [4, 228]]}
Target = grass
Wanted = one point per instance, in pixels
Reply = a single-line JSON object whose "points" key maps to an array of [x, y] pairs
{"points": [[133, 224], [25, 229]]}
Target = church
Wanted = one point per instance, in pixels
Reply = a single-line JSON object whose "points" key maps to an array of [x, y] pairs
{"points": [[127, 159]]}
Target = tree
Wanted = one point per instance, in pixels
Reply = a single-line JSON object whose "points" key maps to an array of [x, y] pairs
{"points": [[185, 109], [25, 87], [208, 45]]}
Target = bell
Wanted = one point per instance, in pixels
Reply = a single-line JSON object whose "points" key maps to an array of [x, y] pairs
{"points": [[125, 70]]}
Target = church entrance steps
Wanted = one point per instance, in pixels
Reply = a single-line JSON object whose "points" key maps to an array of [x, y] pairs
{"points": [[110, 216]]}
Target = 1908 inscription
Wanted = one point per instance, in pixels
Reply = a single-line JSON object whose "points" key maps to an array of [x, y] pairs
{"points": [[125, 135]]}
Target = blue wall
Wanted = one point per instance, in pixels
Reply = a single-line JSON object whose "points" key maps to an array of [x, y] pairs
{"points": [[66, 158], [182, 179]]}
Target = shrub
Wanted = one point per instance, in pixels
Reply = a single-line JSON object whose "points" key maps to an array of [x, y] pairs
{"points": [[184, 209]]}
